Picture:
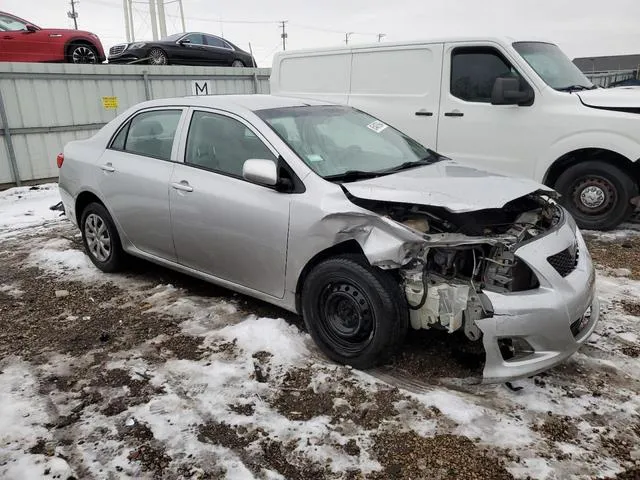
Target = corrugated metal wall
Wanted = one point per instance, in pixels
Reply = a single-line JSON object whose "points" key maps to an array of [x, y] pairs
{"points": [[47, 105]]}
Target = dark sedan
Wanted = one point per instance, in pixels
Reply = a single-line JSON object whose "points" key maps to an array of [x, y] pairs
{"points": [[183, 49]]}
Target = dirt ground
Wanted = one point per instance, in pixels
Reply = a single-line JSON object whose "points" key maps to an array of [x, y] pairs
{"points": [[152, 374]]}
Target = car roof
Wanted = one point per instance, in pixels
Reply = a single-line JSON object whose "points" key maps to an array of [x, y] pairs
{"points": [[235, 103]]}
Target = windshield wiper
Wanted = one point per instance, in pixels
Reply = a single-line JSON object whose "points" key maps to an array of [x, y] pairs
{"points": [[432, 158], [352, 176], [576, 88]]}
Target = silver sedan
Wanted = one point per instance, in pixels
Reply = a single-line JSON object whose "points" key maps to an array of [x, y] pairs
{"points": [[328, 212]]}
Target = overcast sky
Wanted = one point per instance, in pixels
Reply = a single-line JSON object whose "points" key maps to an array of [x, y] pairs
{"points": [[581, 28]]}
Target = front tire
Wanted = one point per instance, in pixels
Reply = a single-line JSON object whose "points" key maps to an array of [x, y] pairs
{"points": [[82, 53], [157, 56], [355, 313], [597, 194], [100, 238]]}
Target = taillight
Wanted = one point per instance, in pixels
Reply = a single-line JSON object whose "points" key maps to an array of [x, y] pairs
{"points": [[60, 159]]}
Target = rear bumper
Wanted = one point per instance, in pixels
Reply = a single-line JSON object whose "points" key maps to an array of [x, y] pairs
{"points": [[543, 317]]}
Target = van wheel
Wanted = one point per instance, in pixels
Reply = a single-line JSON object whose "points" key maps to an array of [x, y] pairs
{"points": [[355, 313], [100, 238], [597, 194]]}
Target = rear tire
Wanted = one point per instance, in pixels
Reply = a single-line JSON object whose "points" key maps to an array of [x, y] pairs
{"points": [[597, 194], [238, 63], [100, 238], [355, 313]]}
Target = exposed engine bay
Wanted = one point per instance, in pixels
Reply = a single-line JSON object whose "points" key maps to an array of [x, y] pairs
{"points": [[465, 254]]}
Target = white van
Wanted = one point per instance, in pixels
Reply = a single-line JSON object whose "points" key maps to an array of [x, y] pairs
{"points": [[518, 107]]}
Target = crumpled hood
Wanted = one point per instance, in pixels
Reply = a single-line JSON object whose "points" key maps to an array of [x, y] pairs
{"points": [[447, 184], [612, 98]]}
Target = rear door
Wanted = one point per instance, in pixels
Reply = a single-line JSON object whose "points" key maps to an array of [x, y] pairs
{"points": [[401, 86], [223, 225], [133, 177], [503, 138], [218, 52]]}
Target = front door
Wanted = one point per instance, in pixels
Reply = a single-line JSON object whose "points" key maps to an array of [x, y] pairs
{"points": [[133, 177], [223, 225], [502, 138], [192, 52]]}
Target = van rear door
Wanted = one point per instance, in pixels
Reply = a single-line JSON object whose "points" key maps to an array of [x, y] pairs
{"points": [[401, 86]]}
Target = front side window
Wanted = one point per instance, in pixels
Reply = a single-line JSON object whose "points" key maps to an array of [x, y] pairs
{"points": [[475, 70], [553, 66], [222, 144], [150, 134], [195, 39], [334, 140], [10, 24]]}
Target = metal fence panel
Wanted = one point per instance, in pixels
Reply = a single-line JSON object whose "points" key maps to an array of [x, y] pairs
{"points": [[48, 105]]}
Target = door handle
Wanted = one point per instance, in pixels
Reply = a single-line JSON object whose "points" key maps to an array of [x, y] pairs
{"points": [[455, 113], [183, 186], [108, 167], [422, 113]]}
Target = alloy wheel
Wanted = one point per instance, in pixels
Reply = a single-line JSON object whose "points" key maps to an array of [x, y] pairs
{"points": [[83, 54], [98, 238], [157, 57]]}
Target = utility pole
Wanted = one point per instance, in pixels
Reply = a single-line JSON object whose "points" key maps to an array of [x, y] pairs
{"points": [[154, 19], [73, 14], [162, 20], [284, 34], [346, 37], [127, 25], [184, 27], [381, 36]]}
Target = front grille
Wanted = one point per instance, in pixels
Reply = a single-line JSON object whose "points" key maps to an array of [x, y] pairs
{"points": [[564, 262], [117, 49]]}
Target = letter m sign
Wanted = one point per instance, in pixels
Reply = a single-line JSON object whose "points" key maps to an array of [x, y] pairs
{"points": [[201, 87]]}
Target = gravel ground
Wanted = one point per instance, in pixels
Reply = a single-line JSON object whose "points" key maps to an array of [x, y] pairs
{"points": [[152, 374]]}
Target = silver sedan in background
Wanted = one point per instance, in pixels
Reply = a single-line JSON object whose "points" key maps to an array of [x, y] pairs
{"points": [[328, 212]]}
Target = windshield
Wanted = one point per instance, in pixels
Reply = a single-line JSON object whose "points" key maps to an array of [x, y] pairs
{"points": [[174, 37], [552, 65], [336, 140], [9, 23]]}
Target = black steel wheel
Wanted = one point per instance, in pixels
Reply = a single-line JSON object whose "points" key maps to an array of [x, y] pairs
{"points": [[356, 314], [597, 194]]}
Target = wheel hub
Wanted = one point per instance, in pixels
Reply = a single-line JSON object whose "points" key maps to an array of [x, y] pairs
{"points": [[594, 195], [346, 316], [98, 238], [83, 55]]}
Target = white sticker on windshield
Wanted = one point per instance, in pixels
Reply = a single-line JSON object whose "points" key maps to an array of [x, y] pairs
{"points": [[377, 126], [315, 158]]}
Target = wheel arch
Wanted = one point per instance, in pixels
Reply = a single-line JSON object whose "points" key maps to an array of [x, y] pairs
{"points": [[579, 155], [348, 246], [79, 41], [85, 198]]}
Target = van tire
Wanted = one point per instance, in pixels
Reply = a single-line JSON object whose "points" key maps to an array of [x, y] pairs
{"points": [[597, 194], [356, 314]]}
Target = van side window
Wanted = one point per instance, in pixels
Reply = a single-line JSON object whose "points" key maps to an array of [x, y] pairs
{"points": [[474, 71]]}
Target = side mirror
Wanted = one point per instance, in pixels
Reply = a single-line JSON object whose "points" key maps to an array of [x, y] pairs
{"points": [[506, 91], [184, 42], [31, 28], [262, 172]]}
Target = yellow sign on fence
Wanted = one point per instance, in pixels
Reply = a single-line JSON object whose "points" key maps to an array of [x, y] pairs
{"points": [[110, 103]]}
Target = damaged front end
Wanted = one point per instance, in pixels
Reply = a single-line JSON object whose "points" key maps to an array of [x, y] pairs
{"points": [[456, 276]]}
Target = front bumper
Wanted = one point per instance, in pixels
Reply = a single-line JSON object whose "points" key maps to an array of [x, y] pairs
{"points": [[130, 55], [542, 317]]}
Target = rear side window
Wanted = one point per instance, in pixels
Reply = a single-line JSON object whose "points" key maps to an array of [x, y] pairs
{"points": [[222, 144], [150, 134], [474, 71], [216, 42]]}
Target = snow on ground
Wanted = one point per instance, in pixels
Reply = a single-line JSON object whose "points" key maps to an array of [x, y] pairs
{"points": [[149, 374]]}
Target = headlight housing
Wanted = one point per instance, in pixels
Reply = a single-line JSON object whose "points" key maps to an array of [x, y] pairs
{"points": [[136, 45]]}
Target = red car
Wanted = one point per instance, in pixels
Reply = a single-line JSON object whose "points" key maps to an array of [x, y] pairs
{"points": [[21, 41]]}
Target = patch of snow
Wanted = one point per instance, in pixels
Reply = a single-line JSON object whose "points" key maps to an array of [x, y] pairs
{"points": [[25, 207], [22, 421], [11, 290]]}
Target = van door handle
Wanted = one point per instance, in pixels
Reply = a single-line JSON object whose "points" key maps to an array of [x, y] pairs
{"points": [[455, 113], [423, 113], [108, 167], [183, 186]]}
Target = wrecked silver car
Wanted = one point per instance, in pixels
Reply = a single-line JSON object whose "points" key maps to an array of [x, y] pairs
{"points": [[328, 212]]}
